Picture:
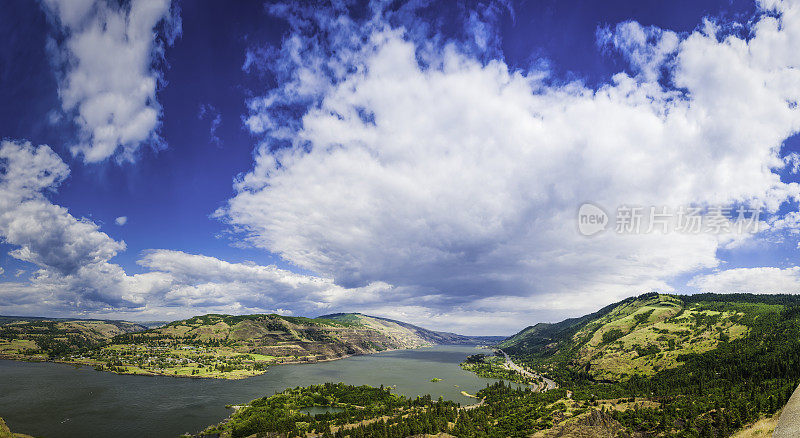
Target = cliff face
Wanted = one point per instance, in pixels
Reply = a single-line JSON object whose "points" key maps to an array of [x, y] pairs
{"points": [[287, 338], [407, 330]]}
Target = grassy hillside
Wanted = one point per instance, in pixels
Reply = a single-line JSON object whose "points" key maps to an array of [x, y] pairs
{"points": [[639, 336], [42, 339], [214, 345], [356, 411], [702, 365], [409, 330], [649, 366], [232, 347]]}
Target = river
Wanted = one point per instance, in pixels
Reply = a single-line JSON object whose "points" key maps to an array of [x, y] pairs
{"points": [[57, 400]]}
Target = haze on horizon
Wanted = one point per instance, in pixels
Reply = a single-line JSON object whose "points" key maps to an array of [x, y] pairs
{"points": [[163, 159]]}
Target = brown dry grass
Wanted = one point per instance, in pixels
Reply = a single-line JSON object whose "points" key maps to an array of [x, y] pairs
{"points": [[760, 429]]}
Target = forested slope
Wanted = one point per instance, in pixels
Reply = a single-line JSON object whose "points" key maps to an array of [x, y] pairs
{"points": [[705, 364], [648, 366]]}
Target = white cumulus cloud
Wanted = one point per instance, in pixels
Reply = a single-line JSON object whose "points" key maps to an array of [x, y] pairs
{"points": [[66, 249], [764, 280], [45, 234], [108, 75], [431, 168], [75, 274], [122, 220]]}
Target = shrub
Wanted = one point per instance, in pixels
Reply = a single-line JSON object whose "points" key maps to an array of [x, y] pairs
{"points": [[612, 335]]}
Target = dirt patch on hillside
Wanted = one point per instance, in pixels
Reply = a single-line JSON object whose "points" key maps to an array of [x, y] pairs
{"points": [[592, 424]]}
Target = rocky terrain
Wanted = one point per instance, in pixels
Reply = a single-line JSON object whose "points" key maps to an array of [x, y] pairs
{"points": [[404, 329]]}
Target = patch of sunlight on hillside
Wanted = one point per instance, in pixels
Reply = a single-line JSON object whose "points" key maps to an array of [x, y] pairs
{"points": [[646, 336], [762, 428]]}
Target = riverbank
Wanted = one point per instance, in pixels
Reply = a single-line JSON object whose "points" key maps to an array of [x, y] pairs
{"points": [[193, 370], [136, 371], [365, 407], [496, 367], [5, 432], [39, 396], [512, 410], [542, 383]]}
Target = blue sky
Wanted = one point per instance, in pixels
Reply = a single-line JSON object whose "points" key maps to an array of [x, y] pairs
{"points": [[414, 160]]}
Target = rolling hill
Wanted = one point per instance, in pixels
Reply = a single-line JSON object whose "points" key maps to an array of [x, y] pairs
{"points": [[213, 345], [655, 365], [429, 336], [30, 338], [669, 365], [638, 336]]}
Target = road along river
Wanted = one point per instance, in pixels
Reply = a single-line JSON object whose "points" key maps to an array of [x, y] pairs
{"points": [[548, 384]]}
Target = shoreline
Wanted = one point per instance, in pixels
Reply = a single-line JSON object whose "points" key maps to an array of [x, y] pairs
{"points": [[178, 376], [538, 382]]}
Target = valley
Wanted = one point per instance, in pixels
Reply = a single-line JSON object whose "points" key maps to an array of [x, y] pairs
{"points": [[649, 366], [213, 346], [53, 400]]}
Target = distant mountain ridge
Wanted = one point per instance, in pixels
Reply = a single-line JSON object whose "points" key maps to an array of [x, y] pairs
{"points": [[7, 319], [33, 338], [431, 336], [213, 345]]}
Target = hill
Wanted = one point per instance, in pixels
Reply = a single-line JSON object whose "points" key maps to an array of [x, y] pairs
{"points": [[213, 345], [30, 338], [649, 366], [429, 336], [638, 336], [701, 365]]}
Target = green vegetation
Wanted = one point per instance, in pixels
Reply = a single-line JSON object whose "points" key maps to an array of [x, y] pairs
{"points": [[5, 432], [697, 366], [206, 346], [492, 367], [213, 345], [650, 366], [612, 335], [638, 336], [232, 347], [376, 412], [40, 339]]}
